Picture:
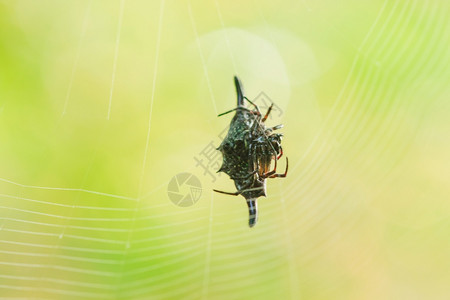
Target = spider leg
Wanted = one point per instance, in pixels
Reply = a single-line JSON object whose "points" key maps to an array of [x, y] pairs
{"points": [[281, 153], [267, 114], [256, 106], [239, 192], [227, 193], [231, 110], [269, 130], [252, 189], [277, 127], [281, 175]]}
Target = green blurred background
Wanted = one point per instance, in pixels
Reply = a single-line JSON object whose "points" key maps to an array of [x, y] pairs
{"points": [[103, 102]]}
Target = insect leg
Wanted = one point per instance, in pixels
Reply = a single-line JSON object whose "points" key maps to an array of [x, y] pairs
{"points": [[254, 158], [281, 153], [271, 173], [258, 159], [281, 175]]}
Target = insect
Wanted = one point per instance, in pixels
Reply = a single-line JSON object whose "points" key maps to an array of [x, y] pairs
{"points": [[248, 151]]}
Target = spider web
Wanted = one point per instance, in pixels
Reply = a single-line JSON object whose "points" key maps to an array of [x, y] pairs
{"points": [[109, 230]]}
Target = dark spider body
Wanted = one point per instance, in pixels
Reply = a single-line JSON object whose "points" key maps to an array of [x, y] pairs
{"points": [[248, 150]]}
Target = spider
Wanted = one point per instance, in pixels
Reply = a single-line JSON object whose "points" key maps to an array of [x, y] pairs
{"points": [[248, 151]]}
